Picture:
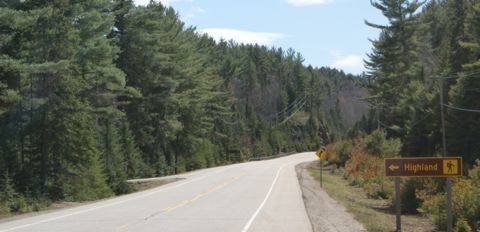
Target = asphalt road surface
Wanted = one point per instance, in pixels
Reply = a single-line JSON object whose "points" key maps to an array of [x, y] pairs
{"points": [[254, 196]]}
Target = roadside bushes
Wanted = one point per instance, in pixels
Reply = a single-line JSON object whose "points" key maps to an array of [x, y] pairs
{"points": [[408, 195], [342, 151], [377, 144], [465, 202], [13, 202], [7, 194], [363, 161]]}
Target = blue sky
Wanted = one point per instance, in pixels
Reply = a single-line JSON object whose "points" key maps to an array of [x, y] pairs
{"points": [[326, 32]]}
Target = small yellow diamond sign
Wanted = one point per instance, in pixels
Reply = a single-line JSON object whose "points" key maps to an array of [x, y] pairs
{"points": [[320, 153], [450, 166]]}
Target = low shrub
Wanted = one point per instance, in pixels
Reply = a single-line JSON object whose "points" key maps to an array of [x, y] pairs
{"points": [[374, 191], [342, 151], [365, 165], [462, 226], [20, 205], [465, 203], [355, 164], [379, 188], [7, 194], [330, 154], [4, 208], [377, 144], [356, 181], [408, 195], [435, 208]]}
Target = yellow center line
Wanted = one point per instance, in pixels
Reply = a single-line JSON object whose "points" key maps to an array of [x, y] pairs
{"points": [[201, 195]]}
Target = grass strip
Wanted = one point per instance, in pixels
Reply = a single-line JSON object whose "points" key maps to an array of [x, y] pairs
{"points": [[374, 214]]}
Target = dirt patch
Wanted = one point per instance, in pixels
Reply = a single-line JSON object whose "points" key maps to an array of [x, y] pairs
{"points": [[326, 214]]}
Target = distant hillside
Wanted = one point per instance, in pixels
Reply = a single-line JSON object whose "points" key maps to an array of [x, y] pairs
{"points": [[343, 105]]}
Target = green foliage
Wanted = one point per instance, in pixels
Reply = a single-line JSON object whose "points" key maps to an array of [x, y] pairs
{"points": [[378, 144], [462, 226], [393, 62], [465, 202], [376, 191], [113, 156], [439, 40], [435, 208], [7, 194], [78, 173], [19, 205], [203, 155], [408, 195], [263, 148], [342, 149], [134, 165]]}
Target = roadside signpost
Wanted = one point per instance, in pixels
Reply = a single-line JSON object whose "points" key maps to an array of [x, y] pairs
{"points": [[321, 155], [424, 167], [421, 167]]}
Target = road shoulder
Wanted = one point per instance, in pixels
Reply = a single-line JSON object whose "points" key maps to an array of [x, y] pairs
{"points": [[326, 214]]}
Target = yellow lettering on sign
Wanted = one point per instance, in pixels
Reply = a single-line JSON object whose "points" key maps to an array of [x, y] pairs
{"points": [[420, 167], [450, 167]]}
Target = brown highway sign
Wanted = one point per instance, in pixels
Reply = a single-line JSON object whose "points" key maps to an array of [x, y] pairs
{"points": [[424, 166]]}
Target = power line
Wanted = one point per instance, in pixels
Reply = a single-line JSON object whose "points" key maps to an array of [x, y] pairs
{"points": [[284, 110], [474, 72], [470, 75], [462, 109], [288, 118]]}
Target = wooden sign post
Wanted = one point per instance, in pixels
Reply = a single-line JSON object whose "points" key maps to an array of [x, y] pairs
{"points": [[321, 155]]}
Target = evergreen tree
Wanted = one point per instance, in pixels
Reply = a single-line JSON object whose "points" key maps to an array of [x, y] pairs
{"points": [[393, 56], [456, 14], [394, 62], [75, 170], [152, 34], [466, 92]]}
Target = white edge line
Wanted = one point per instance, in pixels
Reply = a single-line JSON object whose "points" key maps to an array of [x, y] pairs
{"points": [[109, 205], [249, 223]]}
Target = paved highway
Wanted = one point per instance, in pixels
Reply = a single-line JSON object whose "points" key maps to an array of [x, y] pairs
{"points": [[254, 196]]}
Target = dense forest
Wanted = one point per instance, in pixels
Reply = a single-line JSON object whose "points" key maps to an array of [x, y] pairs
{"points": [[96, 92], [422, 43], [427, 50]]}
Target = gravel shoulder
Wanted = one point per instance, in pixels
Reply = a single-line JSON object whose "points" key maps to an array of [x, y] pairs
{"points": [[326, 214]]}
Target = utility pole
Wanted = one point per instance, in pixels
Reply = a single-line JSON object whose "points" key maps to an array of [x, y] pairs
{"points": [[444, 152], [449, 180], [444, 140]]}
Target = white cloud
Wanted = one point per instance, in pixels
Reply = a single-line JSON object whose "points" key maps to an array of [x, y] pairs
{"points": [[201, 10], [247, 37], [197, 10], [308, 2], [141, 2], [348, 62]]}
